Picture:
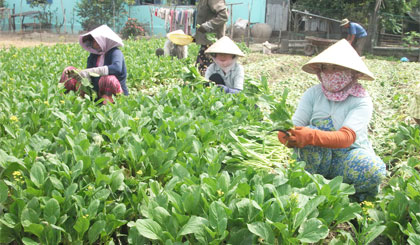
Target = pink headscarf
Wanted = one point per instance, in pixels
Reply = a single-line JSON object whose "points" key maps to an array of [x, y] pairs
{"points": [[106, 39], [338, 85]]}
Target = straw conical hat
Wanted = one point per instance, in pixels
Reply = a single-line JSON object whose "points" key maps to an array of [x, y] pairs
{"points": [[224, 46], [341, 54], [179, 37]]}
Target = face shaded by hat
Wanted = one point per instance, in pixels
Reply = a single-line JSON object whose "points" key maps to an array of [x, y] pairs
{"points": [[224, 46], [104, 37], [342, 55]]}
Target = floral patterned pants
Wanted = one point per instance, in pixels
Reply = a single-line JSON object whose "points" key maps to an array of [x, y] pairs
{"points": [[203, 60], [358, 166]]}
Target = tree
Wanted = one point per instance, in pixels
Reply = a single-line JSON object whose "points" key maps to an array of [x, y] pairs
{"points": [[94, 13], [360, 10], [46, 14]]}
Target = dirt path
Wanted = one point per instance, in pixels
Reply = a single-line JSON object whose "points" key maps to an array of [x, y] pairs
{"points": [[31, 39]]}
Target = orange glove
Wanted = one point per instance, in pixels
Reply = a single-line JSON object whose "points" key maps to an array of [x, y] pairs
{"points": [[303, 136]]}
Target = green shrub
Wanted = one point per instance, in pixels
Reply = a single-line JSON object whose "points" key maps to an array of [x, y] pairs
{"points": [[94, 13]]}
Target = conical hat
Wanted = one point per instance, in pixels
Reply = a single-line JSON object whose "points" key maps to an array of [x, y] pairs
{"points": [[341, 54], [224, 46], [179, 37], [106, 38]]}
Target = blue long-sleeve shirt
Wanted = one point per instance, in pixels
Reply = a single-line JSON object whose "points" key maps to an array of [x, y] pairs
{"points": [[114, 59]]}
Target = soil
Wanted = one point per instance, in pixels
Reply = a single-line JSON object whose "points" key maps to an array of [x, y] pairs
{"points": [[31, 39]]}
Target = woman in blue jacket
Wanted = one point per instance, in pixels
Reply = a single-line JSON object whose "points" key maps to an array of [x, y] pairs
{"points": [[105, 60]]}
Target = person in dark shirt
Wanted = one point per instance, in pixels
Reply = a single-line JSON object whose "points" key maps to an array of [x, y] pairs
{"points": [[211, 18], [105, 60]]}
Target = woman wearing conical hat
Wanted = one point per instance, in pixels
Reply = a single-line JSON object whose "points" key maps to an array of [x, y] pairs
{"points": [[225, 71], [331, 122], [177, 44], [105, 60]]}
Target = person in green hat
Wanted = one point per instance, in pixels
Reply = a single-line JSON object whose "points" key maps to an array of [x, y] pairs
{"points": [[225, 71]]}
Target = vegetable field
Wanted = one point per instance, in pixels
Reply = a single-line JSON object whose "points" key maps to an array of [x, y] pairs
{"points": [[179, 163]]}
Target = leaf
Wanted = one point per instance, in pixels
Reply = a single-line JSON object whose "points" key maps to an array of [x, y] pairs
{"points": [[56, 183], [52, 211], [96, 230], [81, 226], [194, 225], [119, 211], [243, 189], [37, 174], [348, 212], [5, 158], [310, 206], [35, 229], [70, 190], [218, 218], [373, 232], [28, 241], [117, 179], [93, 208], [179, 171], [101, 161], [312, 231], [413, 239], [262, 230], [4, 191], [102, 195], [149, 229], [9, 220], [29, 216]]}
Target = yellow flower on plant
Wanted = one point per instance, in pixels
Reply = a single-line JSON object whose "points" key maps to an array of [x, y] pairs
{"points": [[16, 173], [136, 119], [14, 118], [368, 204], [139, 172], [90, 187], [17, 176], [220, 193], [62, 101], [46, 103]]}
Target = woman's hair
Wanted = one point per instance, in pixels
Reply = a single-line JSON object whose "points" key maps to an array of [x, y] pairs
{"points": [[88, 40]]}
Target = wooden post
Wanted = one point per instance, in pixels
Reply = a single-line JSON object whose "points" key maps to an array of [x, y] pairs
{"points": [[151, 21], [249, 23], [231, 17], [373, 27], [64, 17]]}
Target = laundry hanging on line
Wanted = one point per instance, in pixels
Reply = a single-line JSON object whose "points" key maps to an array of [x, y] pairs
{"points": [[176, 19]]}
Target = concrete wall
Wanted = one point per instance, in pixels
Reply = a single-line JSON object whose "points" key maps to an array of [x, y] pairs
{"points": [[141, 12]]}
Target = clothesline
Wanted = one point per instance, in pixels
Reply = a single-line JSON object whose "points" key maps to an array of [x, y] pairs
{"points": [[176, 17]]}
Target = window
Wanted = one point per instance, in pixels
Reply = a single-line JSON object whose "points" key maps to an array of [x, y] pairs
{"points": [[38, 1], [174, 2], [140, 2]]}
